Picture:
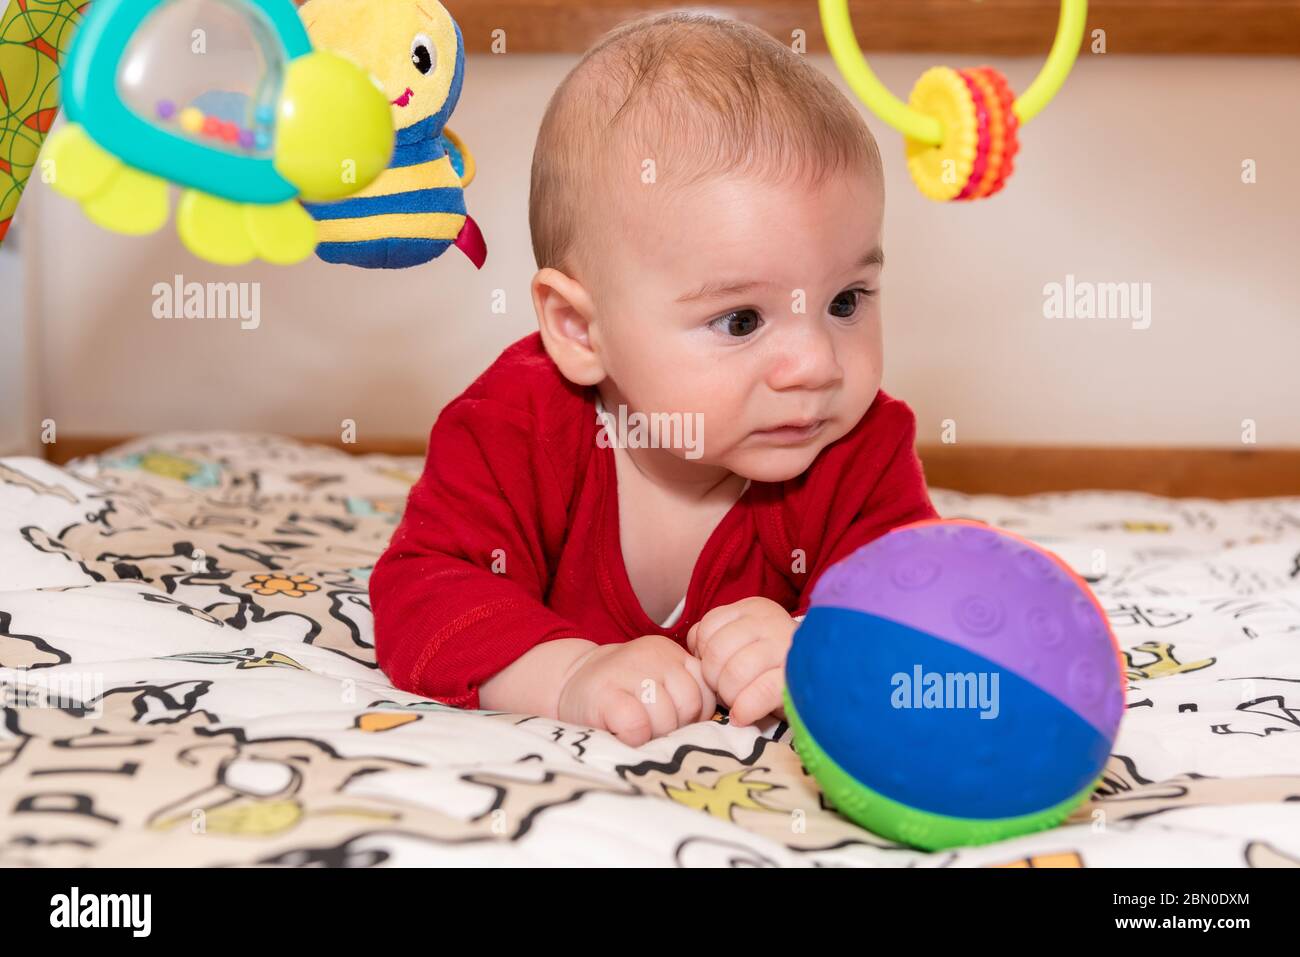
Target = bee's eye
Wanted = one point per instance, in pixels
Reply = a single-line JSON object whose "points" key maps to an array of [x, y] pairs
{"points": [[422, 53]]}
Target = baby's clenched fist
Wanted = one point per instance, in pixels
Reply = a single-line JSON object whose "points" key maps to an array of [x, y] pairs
{"points": [[637, 690], [742, 647]]}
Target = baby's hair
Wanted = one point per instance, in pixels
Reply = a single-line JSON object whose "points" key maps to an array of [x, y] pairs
{"points": [[699, 96]]}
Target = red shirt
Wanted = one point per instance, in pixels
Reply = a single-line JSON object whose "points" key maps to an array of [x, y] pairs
{"points": [[511, 536]]}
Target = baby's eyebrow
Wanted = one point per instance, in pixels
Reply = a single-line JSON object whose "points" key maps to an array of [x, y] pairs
{"points": [[723, 289], [733, 287], [874, 257]]}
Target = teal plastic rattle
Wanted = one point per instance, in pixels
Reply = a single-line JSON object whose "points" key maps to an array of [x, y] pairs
{"points": [[246, 131]]}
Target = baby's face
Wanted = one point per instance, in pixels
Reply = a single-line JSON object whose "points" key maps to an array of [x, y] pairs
{"points": [[757, 305]]}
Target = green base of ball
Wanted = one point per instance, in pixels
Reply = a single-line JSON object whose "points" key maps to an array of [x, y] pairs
{"points": [[907, 825]]}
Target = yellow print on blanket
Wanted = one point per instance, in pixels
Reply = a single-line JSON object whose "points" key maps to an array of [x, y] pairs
{"points": [[1156, 659], [767, 792]]}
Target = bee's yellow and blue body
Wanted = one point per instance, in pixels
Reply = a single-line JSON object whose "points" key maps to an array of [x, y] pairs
{"points": [[415, 209], [408, 216]]}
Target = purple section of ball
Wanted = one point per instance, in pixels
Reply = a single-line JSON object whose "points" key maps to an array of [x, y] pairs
{"points": [[993, 595], [246, 139], [166, 109]]}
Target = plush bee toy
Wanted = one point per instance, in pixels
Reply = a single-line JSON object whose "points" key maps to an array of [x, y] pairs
{"points": [[415, 210]]}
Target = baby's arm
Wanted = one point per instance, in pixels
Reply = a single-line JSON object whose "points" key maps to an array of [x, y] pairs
{"points": [[457, 596], [532, 684]]}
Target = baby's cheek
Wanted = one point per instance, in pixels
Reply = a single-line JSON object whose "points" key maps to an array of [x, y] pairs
{"points": [[861, 386], [861, 350], [657, 379]]}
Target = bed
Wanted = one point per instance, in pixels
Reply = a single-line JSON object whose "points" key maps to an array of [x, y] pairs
{"points": [[188, 679]]}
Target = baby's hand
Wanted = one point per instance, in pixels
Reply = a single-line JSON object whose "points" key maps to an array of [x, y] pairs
{"points": [[743, 647], [638, 690]]}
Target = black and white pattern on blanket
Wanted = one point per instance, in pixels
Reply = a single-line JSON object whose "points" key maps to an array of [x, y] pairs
{"points": [[188, 678]]}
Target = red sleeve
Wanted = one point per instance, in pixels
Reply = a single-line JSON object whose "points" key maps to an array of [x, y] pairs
{"points": [[489, 498], [870, 483]]}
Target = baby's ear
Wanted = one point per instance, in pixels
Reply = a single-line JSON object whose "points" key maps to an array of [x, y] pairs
{"points": [[564, 315]]}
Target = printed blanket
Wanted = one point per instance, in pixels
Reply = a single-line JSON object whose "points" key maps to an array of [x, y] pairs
{"points": [[187, 678]]}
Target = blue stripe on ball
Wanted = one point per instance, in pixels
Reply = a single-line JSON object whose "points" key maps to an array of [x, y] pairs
{"points": [[1036, 753]]}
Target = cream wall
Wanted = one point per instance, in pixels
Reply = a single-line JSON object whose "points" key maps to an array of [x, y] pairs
{"points": [[15, 436], [1133, 174]]}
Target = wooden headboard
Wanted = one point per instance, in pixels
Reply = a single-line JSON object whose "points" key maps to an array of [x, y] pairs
{"points": [[990, 27], [986, 469]]}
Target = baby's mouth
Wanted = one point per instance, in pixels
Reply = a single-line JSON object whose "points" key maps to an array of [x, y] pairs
{"points": [[404, 99], [792, 433]]}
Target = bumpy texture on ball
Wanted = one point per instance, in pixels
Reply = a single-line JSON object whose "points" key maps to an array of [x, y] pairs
{"points": [[954, 684]]}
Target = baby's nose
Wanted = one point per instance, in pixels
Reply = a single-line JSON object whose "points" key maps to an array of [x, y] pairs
{"points": [[805, 359]]}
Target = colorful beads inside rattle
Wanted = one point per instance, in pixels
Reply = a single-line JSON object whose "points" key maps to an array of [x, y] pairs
{"points": [[980, 141], [194, 121]]}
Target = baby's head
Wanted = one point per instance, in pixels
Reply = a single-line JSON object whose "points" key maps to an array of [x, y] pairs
{"points": [[706, 216]]}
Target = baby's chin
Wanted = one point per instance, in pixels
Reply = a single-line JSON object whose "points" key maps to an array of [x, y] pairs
{"points": [[779, 464]]}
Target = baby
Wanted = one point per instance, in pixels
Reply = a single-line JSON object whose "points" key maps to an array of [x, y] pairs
{"points": [[620, 523]]}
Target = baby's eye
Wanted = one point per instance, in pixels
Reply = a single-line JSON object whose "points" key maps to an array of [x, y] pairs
{"points": [[845, 304], [739, 324]]}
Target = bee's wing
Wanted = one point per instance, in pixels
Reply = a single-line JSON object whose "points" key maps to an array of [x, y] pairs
{"points": [[462, 160]]}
